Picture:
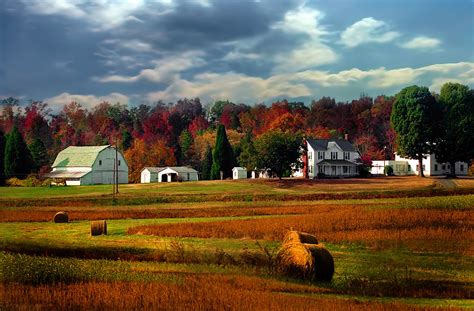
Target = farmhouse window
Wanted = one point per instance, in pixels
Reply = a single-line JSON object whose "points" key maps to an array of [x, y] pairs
{"points": [[310, 168], [321, 169], [346, 156], [443, 166], [436, 167], [461, 167], [119, 162], [100, 162], [333, 170], [320, 155], [309, 155], [333, 155], [345, 169]]}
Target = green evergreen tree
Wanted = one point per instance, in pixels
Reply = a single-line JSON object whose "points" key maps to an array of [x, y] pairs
{"points": [[222, 156], [39, 154], [18, 162], [126, 141], [2, 155], [457, 139], [207, 164], [414, 118], [248, 154]]}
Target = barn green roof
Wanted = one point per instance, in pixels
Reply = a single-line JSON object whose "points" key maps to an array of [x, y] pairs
{"points": [[74, 156]]}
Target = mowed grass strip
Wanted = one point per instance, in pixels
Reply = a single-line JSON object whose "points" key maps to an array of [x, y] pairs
{"points": [[419, 229]]}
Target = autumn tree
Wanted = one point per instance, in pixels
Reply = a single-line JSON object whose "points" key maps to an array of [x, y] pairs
{"points": [[414, 117], [17, 161], [278, 151], [457, 139], [222, 156], [207, 164], [2, 155], [142, 154]]}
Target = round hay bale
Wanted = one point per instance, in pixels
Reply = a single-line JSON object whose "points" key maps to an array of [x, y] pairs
{"points": [[323, 262], [307, 238], [295, 260], [299, 237], [98, 227], [61, 217]]}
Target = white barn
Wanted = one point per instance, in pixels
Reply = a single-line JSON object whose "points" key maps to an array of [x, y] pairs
{"points": [[331, 157], [239, 173], [168, 174], [89, 165], [407, 166]]}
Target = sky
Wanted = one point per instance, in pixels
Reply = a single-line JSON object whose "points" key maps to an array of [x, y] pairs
{"points": [[254, 51]]}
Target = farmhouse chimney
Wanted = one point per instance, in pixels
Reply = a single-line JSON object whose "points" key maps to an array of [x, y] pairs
{"points": [[346, 136]]}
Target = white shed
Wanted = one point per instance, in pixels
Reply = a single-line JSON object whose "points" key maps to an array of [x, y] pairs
{"points": [[239, 173], [168, 174], [150, 174], [89, 165]]}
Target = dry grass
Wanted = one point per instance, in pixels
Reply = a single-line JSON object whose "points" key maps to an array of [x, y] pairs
{"points": [[204, 292], [96, 213], [445, 230]]}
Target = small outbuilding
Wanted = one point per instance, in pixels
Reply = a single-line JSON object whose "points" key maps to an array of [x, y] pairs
{"points": [[239, 173], [168, 174]]}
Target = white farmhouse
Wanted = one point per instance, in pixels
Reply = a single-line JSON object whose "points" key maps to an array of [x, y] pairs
{"points": [[168, 174], [331, 157], [89, 165], [239, 173], [406, 166]]}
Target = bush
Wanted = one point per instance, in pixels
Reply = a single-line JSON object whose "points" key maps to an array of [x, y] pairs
{"points": [[388, 170], [364, 172], [30, 181]]}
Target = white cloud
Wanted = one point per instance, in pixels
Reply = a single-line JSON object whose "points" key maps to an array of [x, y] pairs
{"points": [[87, 101], [367, 30], [133, 45], [313, 52], [237, 55], [166, 69], [100, 14], [309, 55], [233, 86], [242, 88], [422, 42]]}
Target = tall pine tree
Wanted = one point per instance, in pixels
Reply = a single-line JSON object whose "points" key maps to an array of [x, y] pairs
{"points": [[39, 154], [18, 162], [222, 156]]}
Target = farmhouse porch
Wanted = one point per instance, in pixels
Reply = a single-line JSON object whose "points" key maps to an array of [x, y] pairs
{"points": [[337, 168]]}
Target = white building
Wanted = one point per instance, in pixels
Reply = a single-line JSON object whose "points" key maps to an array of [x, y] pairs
{"points": [[331, 157], [168, 174], [239, 173], [406, 166], [89, 165]]}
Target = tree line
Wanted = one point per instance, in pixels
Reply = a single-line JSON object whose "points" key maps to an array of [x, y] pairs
{"points": [[217, 137]]}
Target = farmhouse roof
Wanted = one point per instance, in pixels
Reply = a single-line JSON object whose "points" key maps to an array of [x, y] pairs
{"points": [[74, 156], [322, 144]]}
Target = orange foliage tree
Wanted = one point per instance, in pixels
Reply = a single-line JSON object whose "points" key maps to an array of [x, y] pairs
{"points": [[142, 154]]}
